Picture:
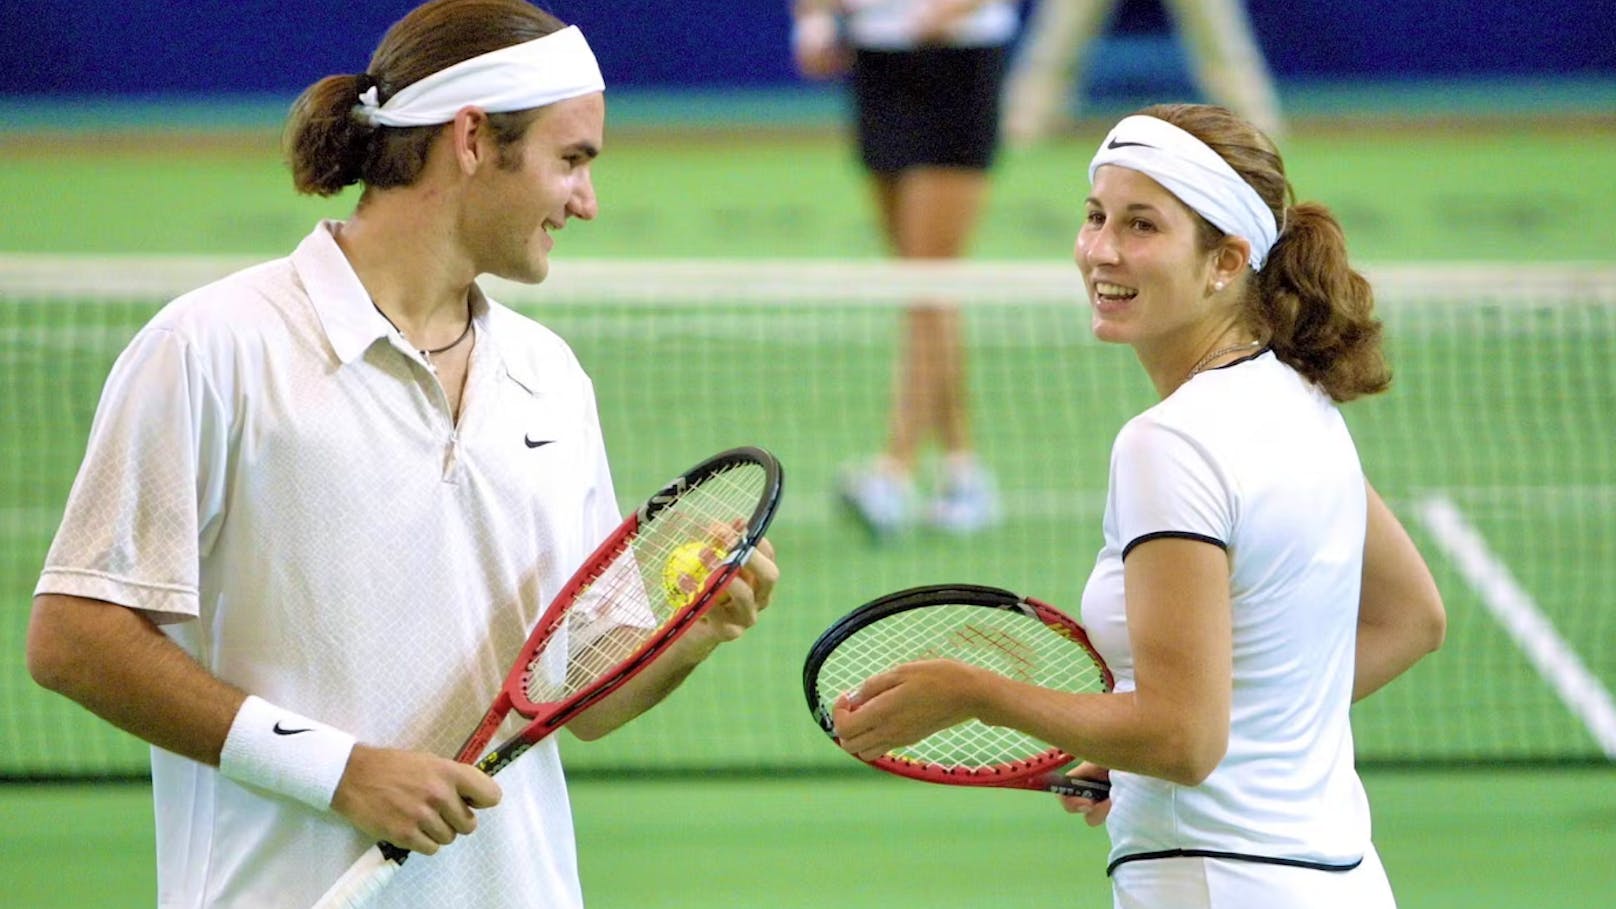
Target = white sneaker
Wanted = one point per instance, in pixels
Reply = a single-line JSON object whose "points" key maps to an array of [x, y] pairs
{"points": [[968, 502], [879, 499]]}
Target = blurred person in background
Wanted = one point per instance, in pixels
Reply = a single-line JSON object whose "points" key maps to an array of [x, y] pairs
{"points": [[926, 79], [1047, 67]]}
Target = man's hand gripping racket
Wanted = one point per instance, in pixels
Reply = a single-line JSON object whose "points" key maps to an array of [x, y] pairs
{"points": [[652, 580], [993, 629]]}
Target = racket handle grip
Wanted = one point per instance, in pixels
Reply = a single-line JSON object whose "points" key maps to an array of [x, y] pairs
{"points": [[1061, 784], [364, 879]]}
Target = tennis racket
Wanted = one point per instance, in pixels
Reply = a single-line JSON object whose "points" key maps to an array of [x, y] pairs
{"points": [[648, 583], [1015, 636]]}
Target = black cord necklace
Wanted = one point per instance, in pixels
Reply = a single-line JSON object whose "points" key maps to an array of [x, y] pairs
{"points": [[429, 354]]}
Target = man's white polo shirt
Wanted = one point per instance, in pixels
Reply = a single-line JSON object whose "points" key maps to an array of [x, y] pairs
{"points": [[277, 479]]}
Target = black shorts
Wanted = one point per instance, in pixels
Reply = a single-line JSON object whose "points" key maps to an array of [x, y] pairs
{"points": [[932, 106]]}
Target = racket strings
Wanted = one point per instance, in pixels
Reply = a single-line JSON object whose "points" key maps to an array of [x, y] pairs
{"points": [[648, 580], [1009, 643]]}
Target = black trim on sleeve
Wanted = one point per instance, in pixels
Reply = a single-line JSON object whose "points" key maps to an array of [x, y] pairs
{"points": [[1230, 856], [1178, 534]]}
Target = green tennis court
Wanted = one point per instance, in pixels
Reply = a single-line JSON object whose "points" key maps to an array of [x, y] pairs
{"points": [[1469, 840], [1489, 765]]}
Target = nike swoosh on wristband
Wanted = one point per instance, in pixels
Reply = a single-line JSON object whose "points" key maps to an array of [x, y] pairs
{"points": [[281, 731], [529, 442], [1115, 144]]}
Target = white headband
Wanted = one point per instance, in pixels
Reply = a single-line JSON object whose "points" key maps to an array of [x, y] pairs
{"points": [[532, 74], [1196, 174]]}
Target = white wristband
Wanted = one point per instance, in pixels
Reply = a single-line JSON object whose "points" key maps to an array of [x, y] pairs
{"points": [[287, 754], [814, 31]]}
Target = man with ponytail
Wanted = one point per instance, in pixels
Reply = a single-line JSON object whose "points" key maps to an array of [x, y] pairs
{"points": [[324, 498], [1251, 584]]}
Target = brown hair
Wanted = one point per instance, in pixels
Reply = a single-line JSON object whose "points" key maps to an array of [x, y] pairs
{"points": [[1312, 308], [329, 148]]}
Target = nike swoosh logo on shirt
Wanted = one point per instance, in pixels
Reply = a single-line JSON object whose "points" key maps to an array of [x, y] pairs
{"points": [[532, 443]]}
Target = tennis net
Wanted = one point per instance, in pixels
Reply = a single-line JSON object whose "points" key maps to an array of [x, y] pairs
{"points": [[1495, 446]]}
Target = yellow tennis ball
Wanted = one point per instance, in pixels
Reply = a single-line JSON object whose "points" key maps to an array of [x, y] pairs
{"points": [[686, 570]]}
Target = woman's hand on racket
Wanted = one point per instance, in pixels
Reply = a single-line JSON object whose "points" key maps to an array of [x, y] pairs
{"points": [[905, 704], [412, 799], [1094, 813]]}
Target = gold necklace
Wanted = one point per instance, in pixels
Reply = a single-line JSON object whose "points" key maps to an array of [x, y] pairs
{"points": [[1204, 361]]}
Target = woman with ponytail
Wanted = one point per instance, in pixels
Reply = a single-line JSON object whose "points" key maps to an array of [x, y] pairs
{"points": [[1251, 584]]}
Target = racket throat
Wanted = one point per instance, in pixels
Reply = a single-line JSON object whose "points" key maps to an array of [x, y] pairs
{"points": [[474, 744]]}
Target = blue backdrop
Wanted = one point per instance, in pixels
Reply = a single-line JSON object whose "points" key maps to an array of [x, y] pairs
{"points": [[256, 46]]}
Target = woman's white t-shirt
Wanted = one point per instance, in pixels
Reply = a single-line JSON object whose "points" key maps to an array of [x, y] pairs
{"points": [[1253, 458]]}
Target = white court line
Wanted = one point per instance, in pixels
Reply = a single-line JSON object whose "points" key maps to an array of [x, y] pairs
{"points": [[1522, 620]]}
